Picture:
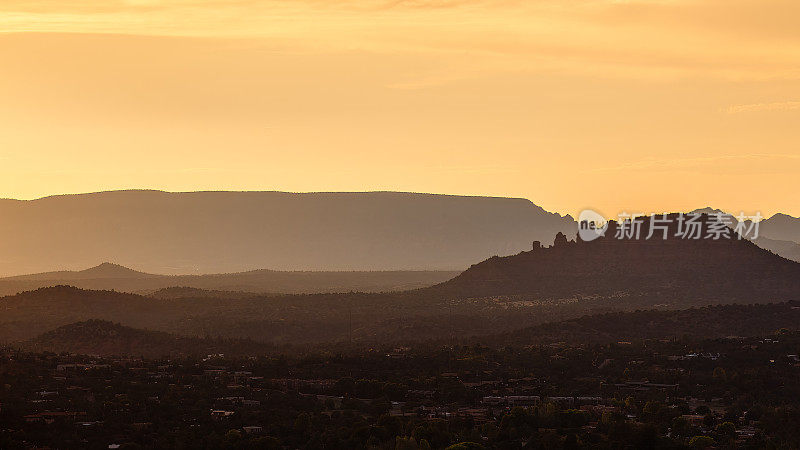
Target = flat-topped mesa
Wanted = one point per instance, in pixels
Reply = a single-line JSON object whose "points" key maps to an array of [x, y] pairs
{"points": [[226, 232]]}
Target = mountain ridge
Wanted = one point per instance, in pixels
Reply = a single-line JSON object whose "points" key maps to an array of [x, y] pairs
{"points": [[110, 276]]}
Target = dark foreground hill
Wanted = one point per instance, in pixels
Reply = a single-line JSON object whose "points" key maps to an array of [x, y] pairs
{"points": [[295, 319], [27, 314], [109, 276], [222, 232], [678, 270], [103, 338], [98, 337]]}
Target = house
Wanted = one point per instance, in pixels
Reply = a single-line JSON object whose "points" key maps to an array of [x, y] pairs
{"points": [[492, 400], [51, 417], [477, 414]]}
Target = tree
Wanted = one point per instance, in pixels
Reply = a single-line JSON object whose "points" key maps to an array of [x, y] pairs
{"points": [[701, 442], [465, 446]]}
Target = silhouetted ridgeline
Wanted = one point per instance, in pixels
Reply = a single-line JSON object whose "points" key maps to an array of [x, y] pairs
{"points": [[685, 270], [109, 276]]}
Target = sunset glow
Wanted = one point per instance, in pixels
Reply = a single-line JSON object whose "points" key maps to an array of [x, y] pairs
{"points": [[610, 104]]}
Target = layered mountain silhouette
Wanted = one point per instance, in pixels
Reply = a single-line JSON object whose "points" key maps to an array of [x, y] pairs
{"points": [[568, 279], [108, 276], [228, 232], [681, 269], [222, 232]]}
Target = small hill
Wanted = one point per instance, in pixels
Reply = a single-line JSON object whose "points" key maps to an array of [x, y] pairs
{"points": [[27, 314], [110, 270], [104, 271], [103, 338]]}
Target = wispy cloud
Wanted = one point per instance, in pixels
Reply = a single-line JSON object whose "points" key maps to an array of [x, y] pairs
{"points": [[760, 107], [640, 39]]}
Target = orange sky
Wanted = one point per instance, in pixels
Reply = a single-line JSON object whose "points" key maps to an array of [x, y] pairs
{"points": [[641, 105]]}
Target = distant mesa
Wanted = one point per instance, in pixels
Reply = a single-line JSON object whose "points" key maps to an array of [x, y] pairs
{"points": [[227, 232]]}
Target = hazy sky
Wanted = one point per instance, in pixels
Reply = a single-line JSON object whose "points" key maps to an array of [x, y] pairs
{"points": [[638, 105]]}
